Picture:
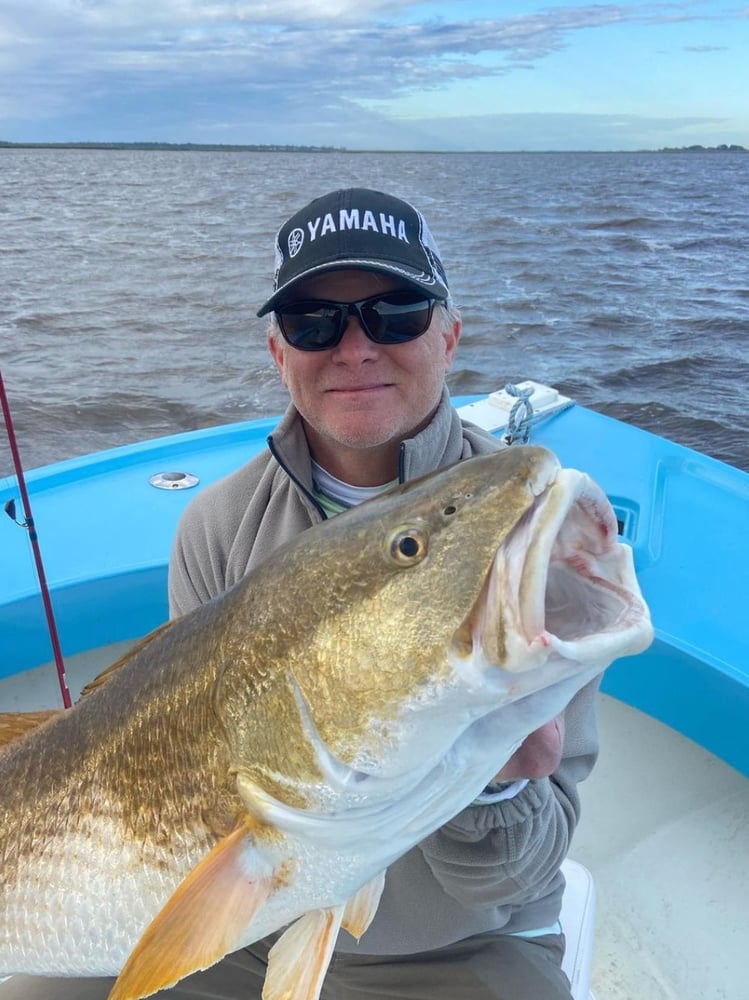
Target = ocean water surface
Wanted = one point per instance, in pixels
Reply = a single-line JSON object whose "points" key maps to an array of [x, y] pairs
{"points": [[130, 282]]}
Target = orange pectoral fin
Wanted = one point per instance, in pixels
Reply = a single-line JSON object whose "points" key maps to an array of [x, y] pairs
{"points": [[204, 920], [298, 961]]}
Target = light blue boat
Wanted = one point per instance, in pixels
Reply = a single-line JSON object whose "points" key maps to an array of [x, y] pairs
{"points": [[676, 717]]}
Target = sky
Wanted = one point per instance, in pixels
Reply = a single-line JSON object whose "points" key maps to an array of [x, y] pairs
{"points": [[377, 74]]}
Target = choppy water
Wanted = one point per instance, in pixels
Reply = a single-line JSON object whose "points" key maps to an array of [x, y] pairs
{"points": [[129, 282]]}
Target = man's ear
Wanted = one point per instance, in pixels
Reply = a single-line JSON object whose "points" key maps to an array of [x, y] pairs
{"points": [[452, 336], [277, 352]]}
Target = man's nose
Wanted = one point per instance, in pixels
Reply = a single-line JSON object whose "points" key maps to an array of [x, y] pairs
{"points": [[355, 342]]}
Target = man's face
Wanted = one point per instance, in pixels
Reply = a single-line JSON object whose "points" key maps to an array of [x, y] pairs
{"points": [[362, 395]]}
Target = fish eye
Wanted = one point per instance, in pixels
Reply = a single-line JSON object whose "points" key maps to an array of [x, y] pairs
{"points": [[408, 546]]}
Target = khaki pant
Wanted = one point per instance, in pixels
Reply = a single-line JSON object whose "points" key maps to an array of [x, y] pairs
{"points": [[488, 967]]}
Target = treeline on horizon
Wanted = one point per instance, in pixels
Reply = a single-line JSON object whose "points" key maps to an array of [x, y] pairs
{"points": [[277, 148], [722, 148], [200, 146]]}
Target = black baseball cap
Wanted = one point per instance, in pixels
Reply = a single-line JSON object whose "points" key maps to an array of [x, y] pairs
{"points": [[361, 229]]}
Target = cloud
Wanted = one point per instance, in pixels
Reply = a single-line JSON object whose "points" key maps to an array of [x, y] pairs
{"points": [[330, 48], [182, 69]]}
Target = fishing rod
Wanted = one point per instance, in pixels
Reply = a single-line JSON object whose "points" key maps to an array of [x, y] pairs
{"points": [[28, 523]]}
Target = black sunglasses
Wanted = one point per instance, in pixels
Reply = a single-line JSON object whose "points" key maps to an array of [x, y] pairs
{"points": [[388, 318]]}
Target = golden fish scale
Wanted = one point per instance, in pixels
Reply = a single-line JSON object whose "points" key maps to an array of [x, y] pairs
{"points": [[98, 768]]}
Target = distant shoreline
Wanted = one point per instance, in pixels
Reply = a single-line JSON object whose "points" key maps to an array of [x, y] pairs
{"points": [[199, 147], [176, 146]]}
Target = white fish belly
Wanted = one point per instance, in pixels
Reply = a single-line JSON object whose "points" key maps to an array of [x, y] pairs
{"points": [[80, 905]]}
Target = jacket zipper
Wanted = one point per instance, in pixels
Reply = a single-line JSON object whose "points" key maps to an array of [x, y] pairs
{"points": [[297, 482]]}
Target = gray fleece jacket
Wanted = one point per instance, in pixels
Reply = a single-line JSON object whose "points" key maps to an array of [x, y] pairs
{"points": [[493, 867]]}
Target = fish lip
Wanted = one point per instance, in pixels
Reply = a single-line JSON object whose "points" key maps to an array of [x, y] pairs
{"points": [[567, 542]]}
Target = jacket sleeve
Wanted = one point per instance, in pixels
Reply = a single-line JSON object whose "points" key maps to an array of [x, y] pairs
{"points": [[230, 528], [509, 852], [206, 534], [195, 574]]}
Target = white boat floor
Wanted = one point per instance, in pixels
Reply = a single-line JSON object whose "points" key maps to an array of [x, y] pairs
{"points": [[40, 688], [664, 831]]}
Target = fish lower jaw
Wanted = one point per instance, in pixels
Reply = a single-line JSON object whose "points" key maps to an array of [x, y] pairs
{"points": [[548, 654], [525, 656]]}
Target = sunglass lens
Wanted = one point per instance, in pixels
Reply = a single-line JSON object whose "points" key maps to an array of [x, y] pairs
{"points": [[397, 318], [311, 327]]}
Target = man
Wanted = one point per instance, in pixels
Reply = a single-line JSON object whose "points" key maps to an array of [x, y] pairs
{"points": [[363, 331]]}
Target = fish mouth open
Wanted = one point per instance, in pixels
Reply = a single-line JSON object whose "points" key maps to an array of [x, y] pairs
{"points": [[562, 583]]}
